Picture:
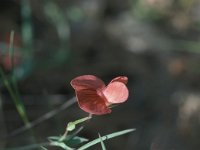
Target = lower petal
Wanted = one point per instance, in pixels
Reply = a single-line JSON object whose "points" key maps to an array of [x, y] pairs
{"points": [[91, 102]]}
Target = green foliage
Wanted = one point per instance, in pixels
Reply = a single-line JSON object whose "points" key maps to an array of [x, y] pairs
{"points": [[105, 137], [70, 142]]}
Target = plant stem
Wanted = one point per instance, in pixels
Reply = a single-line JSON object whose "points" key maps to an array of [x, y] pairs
{"points": [[19, 105], [64, 135]]}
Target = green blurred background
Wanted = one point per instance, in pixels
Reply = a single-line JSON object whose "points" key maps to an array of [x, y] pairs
{"points": [[155, 43]]}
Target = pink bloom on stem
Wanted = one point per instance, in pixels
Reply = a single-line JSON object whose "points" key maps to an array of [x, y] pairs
{"points": [[95, 97]]}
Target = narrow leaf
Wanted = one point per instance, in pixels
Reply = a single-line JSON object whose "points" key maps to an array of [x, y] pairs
{"points": [[102, 143], [61, 145], [106, 137], [75, 141]]}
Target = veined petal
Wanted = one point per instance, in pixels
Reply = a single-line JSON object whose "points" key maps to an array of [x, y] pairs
{"points": [[87, 82], [122, 79], [91, 102], [116, 92]]}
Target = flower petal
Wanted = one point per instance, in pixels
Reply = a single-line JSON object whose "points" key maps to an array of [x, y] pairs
{"points": [[122, 79], [87, 82], [91, 102], [116, 92]]}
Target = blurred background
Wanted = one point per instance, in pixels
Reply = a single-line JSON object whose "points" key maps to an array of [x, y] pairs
{"points": [[155, 43]]}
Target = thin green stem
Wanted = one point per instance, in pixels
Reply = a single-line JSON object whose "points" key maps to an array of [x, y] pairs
{"points": [[12, 86], [64, 135], [19, 105], [72, 125], [11, 49], [62, 145], [43, 118]]}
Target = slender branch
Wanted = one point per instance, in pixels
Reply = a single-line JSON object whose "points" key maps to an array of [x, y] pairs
{"points": [[42, 118], [74, 123], [18, 103], [64, 135]]}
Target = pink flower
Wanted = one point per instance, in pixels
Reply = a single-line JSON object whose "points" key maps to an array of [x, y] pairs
{"points": [[96, 98]]}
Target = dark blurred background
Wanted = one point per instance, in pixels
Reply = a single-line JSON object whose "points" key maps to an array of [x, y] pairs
{"points": [[155, 43]]}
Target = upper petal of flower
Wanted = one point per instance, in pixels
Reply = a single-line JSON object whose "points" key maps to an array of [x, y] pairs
{"points": [[122, 79], [116, 92], [87, 82], [91, 102]]}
